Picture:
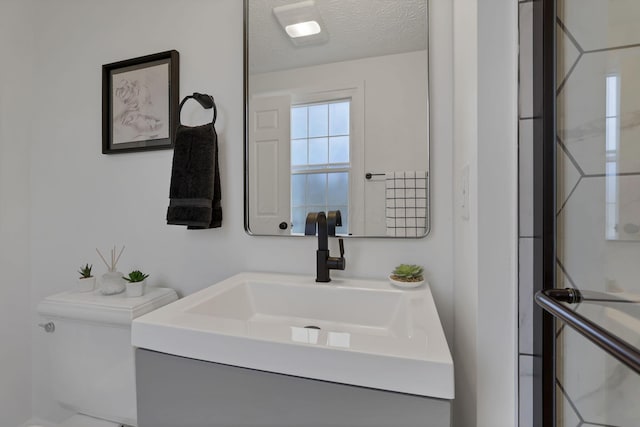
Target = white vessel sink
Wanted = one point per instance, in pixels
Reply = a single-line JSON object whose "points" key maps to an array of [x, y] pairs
{"points": [[359, 332]]}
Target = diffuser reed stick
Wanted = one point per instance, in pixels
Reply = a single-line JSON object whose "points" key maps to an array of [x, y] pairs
{"points": [[118, 258], [114, 259]]}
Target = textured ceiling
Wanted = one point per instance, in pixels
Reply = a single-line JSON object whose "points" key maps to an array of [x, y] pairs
{"points": [[357, 29]]}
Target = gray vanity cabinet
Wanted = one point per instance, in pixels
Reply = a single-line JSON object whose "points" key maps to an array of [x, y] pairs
{"points": [[175, 391]]}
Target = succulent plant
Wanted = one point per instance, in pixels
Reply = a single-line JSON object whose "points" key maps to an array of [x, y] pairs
{"points": [[135, 276], [85, 272], [408, 273]]}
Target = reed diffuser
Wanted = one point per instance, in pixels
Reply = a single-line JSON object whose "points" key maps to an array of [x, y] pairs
{"points": [[111, 282]]}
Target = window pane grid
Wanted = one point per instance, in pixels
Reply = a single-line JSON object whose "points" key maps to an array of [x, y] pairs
{"points": [[319, 192], [320, 164], [320, 133]]}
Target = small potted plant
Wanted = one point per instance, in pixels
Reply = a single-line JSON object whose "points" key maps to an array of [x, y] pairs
{"points": [[137, 281], [407, 276], [86, 282]]}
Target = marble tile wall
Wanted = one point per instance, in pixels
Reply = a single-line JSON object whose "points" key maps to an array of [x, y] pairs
{"points": [[598, 201]]}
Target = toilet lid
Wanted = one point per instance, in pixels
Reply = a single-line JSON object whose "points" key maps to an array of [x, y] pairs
{"points": [[112, 309], [80, 420]]}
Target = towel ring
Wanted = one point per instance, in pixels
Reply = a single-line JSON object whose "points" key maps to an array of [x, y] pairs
{"points": [[206, 101]]}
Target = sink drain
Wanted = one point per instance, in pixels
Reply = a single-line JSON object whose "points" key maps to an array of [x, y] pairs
{"points": [[312, 327]]}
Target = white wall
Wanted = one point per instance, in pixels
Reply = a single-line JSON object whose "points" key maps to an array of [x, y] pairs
{"points": [[497, 212], [465, 101], [16, 114], [485, 139], [81, 199]]}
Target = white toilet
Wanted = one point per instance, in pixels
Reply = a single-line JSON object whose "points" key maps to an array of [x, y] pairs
{"points": [[91, 358]]}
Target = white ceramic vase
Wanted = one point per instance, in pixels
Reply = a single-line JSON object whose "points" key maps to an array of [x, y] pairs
{"points": [[112, 283], [86, 284], [136, 289]]}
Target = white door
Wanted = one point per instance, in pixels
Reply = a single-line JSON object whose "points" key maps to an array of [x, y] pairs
{"points": [[269, 165]]}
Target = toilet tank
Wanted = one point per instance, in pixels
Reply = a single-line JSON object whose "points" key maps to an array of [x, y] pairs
{"points": [[90, 353]]}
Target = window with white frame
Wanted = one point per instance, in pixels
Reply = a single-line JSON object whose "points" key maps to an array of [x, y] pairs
{"points": [[320, 160], [612, 142]]}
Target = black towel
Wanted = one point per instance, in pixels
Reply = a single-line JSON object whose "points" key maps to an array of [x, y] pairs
{"points": [[195, 178]]}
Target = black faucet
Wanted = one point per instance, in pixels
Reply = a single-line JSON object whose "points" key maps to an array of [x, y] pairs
{"points": [[326, 226]]}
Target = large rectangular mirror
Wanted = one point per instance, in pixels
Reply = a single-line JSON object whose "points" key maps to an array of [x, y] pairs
{"points": [[337, 115]]}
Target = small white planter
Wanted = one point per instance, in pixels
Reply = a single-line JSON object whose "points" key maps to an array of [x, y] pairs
{"points": [[86, 284], [136, 289], [405, 285]]}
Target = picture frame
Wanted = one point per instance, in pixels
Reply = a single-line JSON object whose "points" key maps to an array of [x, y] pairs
{"points": [[140, 103]]}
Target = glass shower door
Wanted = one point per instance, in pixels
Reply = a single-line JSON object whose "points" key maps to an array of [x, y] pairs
{"points": [[598, 203]]}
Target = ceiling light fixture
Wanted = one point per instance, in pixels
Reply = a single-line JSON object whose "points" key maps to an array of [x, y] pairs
{"points": [[302, 23], [303, 29]]}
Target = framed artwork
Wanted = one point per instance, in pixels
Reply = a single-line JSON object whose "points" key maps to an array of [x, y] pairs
{"points": [[140, 103]]}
